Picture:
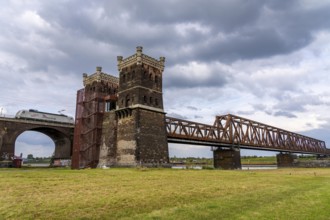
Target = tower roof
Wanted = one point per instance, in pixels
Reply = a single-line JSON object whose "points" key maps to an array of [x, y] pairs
{"points": [[139, 58]]}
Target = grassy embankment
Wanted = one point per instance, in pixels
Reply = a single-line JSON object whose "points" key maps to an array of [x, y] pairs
{"points": [[245, 160], [164, 194]]}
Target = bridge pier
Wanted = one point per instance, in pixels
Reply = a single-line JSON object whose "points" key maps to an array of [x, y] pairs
{"points": [[285, 159], [227, 159]]}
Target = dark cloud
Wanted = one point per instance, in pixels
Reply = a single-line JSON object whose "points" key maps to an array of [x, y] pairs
{"points": [[77, 34], [234, 29], [175, 115], [298, 102], [259, 107], [180, 81], [284, 114], [245, 112], [192, 108]]}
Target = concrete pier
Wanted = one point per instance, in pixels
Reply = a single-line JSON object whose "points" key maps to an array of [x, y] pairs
{"points": [[285, 159], [227, 159]]}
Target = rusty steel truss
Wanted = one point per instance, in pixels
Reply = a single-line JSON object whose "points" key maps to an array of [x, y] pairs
{"points": [[234, 131]]}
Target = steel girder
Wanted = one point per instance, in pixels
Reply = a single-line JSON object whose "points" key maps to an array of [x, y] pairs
{"points": [[231, 130]]}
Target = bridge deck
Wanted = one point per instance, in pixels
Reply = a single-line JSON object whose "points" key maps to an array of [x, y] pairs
{"points": [[37, 122], [230, 130]]}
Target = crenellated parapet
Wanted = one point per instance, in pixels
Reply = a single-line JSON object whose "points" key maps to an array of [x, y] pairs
{"points": [[138, 58], [99, 76]]}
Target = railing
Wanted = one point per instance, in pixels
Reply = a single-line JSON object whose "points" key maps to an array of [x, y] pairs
{"points": [[231, 130]]}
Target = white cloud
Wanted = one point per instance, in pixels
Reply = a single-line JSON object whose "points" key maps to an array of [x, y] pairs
{"points": [[186, 29], [30, 20]]}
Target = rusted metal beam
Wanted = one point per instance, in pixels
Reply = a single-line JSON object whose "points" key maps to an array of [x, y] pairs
{"points": [[231, 130]]}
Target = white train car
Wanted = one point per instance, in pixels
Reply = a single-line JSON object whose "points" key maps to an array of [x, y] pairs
{"points": [[32, 114]]}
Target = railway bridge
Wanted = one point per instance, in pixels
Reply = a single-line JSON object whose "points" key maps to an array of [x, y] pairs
{"points": [[230, 133], [120, 121], [11, 128]]}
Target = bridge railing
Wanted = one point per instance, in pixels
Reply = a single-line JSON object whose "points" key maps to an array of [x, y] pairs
{"points": [[234, 130]]}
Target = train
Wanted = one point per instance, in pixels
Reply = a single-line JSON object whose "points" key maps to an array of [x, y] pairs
{"points": [[33, 114]]}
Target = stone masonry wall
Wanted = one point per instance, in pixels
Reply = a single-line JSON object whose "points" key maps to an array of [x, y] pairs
{"points": [[126, 140], [152, 139], [108, 147]]}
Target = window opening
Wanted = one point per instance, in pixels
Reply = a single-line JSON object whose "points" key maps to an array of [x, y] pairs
{"points": [[127, 103]]}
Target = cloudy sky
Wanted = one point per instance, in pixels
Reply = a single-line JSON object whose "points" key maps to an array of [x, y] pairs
{"points": [[264, 60]]}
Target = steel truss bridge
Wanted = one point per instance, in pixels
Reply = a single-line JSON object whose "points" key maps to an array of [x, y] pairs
{"points": [[236, 132]]}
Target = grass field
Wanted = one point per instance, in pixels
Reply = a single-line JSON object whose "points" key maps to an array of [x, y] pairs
{"points": [[259, 160], [31, 193], [245, 160]]}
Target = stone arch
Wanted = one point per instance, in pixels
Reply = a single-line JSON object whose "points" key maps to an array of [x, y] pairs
{"points": [[61, 136], [35, 143], [62, 141]]}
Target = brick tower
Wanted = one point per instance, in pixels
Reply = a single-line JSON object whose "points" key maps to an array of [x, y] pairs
{"points": [[141, 134], [97, 96]]}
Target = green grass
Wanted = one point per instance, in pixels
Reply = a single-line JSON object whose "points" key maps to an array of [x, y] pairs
{"points": [[164, 194], [271, 160]]}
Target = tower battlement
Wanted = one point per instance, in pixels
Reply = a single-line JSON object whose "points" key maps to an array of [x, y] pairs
{"points": [[138, 58], [99, 76]]}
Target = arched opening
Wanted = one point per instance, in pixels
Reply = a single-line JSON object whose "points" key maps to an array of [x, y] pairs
{"points": [[36, 148]]}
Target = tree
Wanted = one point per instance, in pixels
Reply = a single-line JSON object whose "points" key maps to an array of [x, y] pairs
{"points": [[30, 156]]}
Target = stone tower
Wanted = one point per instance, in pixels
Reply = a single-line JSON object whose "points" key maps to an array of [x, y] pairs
{"points": [[141, 134]]}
